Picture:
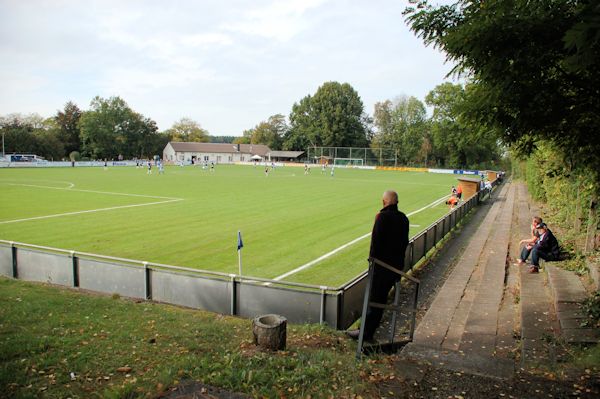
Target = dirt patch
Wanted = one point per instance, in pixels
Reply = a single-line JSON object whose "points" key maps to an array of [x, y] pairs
{"points": [[410, 379]]}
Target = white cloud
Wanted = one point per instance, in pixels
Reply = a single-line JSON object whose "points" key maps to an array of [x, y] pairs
{"points": [[228, 65], [278, 20]]}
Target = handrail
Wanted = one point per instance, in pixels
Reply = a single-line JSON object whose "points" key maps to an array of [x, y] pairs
{"points": [[394, 307]]}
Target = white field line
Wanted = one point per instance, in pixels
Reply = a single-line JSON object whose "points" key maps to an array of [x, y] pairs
{"points": [[94, 191], [341, 248], [89, 211], [70, 188]]}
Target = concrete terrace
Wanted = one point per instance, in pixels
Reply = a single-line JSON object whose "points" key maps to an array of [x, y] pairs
{"points": [[490, 317]]}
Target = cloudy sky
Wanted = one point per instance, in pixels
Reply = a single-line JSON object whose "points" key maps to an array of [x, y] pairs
{"points": [[227, 64]]}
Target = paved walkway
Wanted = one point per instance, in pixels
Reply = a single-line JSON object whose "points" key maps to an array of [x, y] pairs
{"points": [[490, 316]]}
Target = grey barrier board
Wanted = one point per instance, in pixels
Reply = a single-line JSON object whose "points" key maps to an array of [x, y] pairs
{"points": [[191, 291], [44, 267], [6, 261], [408, 258], [446, 224], [439, 231], [430, 240], [296, 306], [418, 248], [352, 303], [112, 278]]}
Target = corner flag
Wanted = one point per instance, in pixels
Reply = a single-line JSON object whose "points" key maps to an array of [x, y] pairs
{"points": [[240, 244]]}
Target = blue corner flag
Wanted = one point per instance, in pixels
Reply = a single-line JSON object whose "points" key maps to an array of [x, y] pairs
{"points": [[240, 244]]}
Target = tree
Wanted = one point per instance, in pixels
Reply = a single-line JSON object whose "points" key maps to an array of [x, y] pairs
{"points": [[68, 127], [458, 142], [270, 132], [333, 117], [111, 128], [401, 125], [18, 134], [188, 130], [534, 66], [31, 134]]}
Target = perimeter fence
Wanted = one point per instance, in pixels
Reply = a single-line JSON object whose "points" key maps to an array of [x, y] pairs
{"points": [[243, 296]]}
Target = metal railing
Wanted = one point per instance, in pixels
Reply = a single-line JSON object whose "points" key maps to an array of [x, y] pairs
{"points": [[394, 307]]}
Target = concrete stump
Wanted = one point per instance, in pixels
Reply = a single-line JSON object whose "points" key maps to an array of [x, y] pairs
{"points": [[270, 331]]}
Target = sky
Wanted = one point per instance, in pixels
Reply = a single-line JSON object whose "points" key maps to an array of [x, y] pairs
{"points": [[226, 64]]}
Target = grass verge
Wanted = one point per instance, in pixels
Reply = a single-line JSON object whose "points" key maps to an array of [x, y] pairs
{"points": [[58, 342]]}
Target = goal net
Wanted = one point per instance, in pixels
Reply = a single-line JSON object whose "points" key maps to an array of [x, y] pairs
{"points": [[348, 161]]}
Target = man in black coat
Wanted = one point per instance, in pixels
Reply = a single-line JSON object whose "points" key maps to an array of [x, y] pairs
{"points": [[389, 240], [546, 248]]}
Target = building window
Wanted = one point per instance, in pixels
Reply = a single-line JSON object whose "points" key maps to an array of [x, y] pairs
{"points": [[218, 158], [206, 158]]}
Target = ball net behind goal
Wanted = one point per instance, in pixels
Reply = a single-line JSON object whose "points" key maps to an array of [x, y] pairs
{"points": [[348, 161], [353, 156]]}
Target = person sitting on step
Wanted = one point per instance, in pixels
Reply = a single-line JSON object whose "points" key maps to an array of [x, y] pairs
{"points": [[546, 248], [529, 242]]}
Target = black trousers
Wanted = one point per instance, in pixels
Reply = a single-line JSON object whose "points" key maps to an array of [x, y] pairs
{"points": [[383, 281]]}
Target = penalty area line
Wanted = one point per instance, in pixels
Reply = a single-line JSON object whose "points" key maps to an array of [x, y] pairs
{"points": [[341, 248]]}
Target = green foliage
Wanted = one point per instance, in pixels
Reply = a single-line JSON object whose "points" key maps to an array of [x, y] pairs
{"points": [[459, 141], [68, 127], [187, 130], [534, 65], [111, 128], [269, 133], [75, 156], [402, 125], [31, 134], [591, 308], [221, 139], [333, 117]]}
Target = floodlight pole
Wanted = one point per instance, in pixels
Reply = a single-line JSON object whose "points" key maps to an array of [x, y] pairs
{"points": [[3, 144]]}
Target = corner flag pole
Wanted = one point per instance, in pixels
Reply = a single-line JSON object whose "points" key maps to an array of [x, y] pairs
{"points": [[240, 245]]}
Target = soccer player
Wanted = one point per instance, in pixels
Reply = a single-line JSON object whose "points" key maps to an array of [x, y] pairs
{"points": [[332, 170], [149, 167]]}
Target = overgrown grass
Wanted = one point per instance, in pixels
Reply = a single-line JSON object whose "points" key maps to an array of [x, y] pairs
{"points": [[60, 343]]}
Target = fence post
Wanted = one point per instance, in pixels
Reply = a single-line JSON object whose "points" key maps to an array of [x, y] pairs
{"points": [[147, 281], [323, 299], [75, 260], [13, 250], [233, 295]]}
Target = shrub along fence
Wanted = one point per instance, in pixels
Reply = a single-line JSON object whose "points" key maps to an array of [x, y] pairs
{"points": [[217, 292]]}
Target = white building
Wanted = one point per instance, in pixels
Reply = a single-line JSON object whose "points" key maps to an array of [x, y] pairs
{"points": [[214, 152]]}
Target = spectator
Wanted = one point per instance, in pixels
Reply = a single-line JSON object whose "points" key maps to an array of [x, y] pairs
{"points": [[546, 248], [459, 192], [389, 240], [529, 242]]}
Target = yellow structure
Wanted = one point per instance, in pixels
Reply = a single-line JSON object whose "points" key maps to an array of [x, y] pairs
{"points": [[470, 186]]}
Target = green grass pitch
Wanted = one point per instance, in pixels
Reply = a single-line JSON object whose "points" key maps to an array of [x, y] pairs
{"points": [[190, 216]]}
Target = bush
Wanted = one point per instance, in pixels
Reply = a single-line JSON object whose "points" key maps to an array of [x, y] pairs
{"points": [[75, 156]]}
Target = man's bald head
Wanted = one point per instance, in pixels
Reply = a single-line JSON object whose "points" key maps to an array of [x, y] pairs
{"points": [[389, 198]]}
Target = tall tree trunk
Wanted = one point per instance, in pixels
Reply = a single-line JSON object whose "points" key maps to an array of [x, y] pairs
{"points": [[591, 242]]}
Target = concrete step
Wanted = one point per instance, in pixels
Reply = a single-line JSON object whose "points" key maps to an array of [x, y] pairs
{"points": [[538, 326], [461, 327], [568, 294]]}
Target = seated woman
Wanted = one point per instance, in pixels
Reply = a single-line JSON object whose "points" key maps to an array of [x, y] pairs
{"points": [[529, 242]]}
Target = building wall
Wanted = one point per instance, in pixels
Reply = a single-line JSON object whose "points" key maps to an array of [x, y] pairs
{"points": [[220, 157]]}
